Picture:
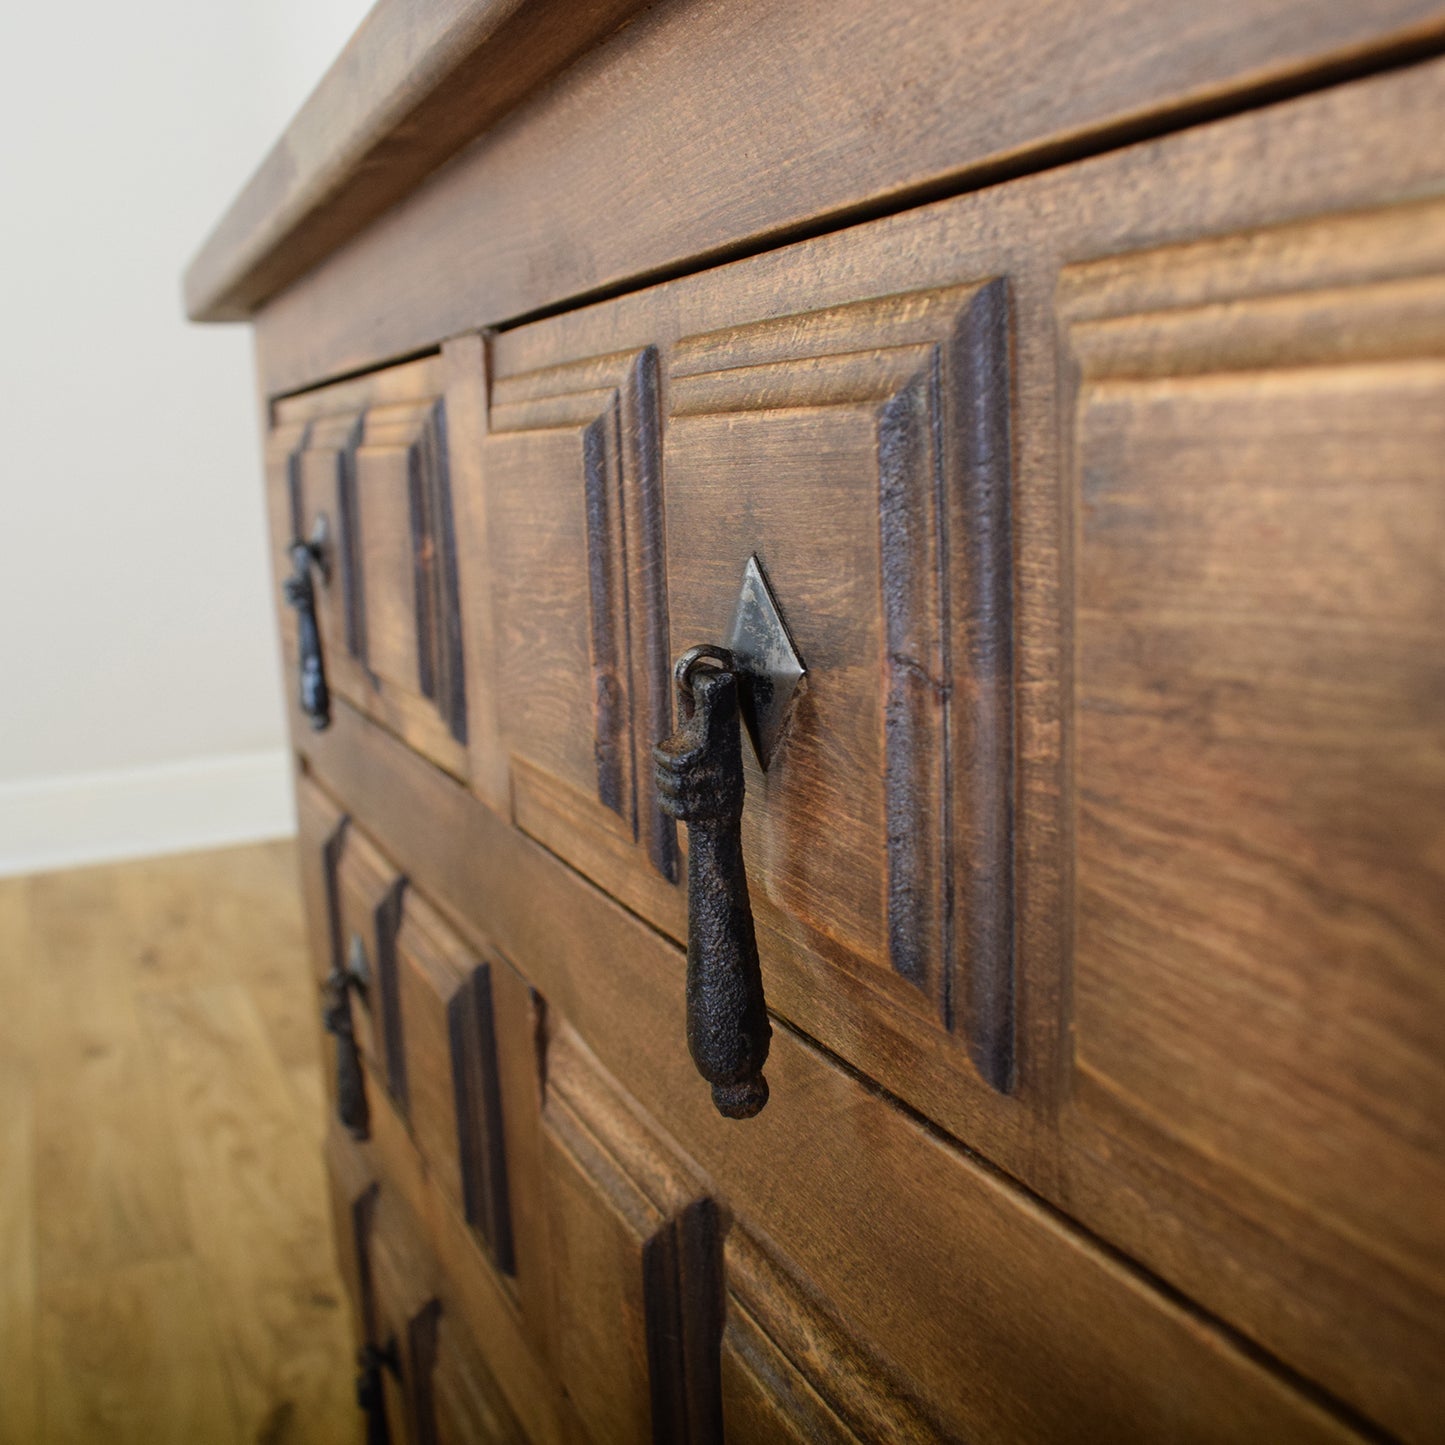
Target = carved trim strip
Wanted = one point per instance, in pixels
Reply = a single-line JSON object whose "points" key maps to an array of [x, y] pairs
{"points": [[607, 614], [903, 383], [981, 716], [481, 1140], [423, 542], [651, 667], [682, 1265], [937, 365], [915, 641], [344, 434], [452, 699], [289, 441], [438, 604], [387, 921]]}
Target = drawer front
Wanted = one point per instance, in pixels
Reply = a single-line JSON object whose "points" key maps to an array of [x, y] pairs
{"points": [[422, 1012], [1258, 458], [361, 470], [844, 449], [860, 455]]}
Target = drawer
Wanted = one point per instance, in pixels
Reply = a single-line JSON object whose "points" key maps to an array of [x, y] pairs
{"points": [[361, 470], [684, 1312], [422, 1013], [640, 458]]}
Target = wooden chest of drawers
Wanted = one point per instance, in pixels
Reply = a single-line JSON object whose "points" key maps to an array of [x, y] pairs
{"points": [[1074, 377]]}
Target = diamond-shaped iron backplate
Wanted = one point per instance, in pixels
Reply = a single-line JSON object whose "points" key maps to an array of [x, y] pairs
{"points": [[770, 671]]}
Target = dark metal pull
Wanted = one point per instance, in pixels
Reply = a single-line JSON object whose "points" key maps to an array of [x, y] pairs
{"points": [[370, 1394], [350, 1085], [301, 594], [700, 783]]}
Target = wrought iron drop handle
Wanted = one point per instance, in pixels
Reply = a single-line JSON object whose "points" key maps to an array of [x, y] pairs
{"points": [[301, 594], [350, 1085], [700, 782]]}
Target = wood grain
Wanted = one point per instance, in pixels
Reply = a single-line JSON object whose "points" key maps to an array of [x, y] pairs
{"points": [[19, 1293], [583, 633], [763, 131], [247, 1158], [165, 1265], [637, 1265], [791, 1372], [1105, 508], [132, 1355], [1350, 290], [102, 1134], [1261, 902], [367, 463], [469, 1404], [1030, 1299], [411, 87]]}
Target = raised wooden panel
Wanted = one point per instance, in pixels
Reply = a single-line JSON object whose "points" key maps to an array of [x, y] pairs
{"points": [[453, 1092], [370, 893], [637, 1264], [1258, 1002], [574, 516], [862, 453], [790, 1373], [369, 459]]}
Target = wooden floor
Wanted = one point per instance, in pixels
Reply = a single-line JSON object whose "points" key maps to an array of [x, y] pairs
{"points": [[166, 1262]]}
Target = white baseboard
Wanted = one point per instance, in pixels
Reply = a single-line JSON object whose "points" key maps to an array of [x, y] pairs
{"points": [[141, 812]]}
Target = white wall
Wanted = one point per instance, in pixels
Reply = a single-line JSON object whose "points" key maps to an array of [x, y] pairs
{"points": [[140, 692]]}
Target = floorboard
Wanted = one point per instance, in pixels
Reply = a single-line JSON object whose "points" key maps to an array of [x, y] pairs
{"points": [[167, 1270]]}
